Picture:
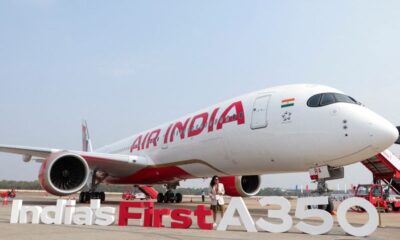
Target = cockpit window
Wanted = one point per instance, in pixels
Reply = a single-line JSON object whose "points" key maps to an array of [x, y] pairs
{"points": [[344, 98], [324, 99], [314, 100]]}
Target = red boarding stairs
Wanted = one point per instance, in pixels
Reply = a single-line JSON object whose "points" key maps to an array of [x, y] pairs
{"points": [[385, 167], [149, 191]]}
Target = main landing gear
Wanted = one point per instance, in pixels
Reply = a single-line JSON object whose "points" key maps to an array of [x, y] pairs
{"points": [[169, 196], [86, 196]]}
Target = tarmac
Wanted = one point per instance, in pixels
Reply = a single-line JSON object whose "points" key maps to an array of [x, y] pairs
{"points": [[390, 227]]}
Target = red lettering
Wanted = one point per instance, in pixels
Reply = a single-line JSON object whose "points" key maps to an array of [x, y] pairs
{"points": [[212, 120], [193, 132], [181, 128], [167, 134], [136, 144], [144, 140], [182, 216], [201, 212], [148, 217], [158, 214], [238, 115], [153, 138], [124, 213]]}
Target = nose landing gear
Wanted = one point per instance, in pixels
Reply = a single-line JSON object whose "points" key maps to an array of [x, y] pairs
{"points": [[321, 175]]}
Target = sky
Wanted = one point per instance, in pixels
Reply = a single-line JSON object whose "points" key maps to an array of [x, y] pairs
{"points": [[126, 66]]}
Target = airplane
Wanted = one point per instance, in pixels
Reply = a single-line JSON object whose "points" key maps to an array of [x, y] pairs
{"points": [[283, 129]]}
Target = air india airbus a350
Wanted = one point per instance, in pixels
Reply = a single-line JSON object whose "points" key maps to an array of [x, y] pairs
{"points": [[292, 128]]}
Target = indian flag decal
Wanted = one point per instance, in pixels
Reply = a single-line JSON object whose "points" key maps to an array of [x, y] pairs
{"points": [[288, 102]]}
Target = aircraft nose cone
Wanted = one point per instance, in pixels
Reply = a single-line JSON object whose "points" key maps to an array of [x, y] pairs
{"points": [[384, 134]]}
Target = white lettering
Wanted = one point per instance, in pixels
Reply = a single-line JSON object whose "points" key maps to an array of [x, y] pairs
{"points": [[64, 212], [366, 229], [303, 213], [15, 209], [83, 216], [23, 214], [282, 214], [57, 211], [69, 211], [105, 216], [237, 205]]}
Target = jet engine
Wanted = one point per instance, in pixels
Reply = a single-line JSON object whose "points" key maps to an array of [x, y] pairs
{"points": [[241, 186], [63, 174]]}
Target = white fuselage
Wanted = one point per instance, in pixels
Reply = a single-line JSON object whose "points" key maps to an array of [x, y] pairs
{"points": [[275, 132]]}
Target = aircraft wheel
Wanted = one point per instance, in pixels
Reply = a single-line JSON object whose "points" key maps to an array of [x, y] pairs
{"points": [[87, 197], [94, 195], [160, 197], [169, 197], [172, 197], [178, 197]]}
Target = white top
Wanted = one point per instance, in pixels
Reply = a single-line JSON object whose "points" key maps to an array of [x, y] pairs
{"points": [[217, 194]]}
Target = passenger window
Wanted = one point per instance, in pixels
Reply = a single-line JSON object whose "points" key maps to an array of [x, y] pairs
{"points": [[327, 98]]}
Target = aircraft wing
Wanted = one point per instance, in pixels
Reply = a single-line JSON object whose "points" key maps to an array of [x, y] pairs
{"points": [[28, 151], [117, 165]]}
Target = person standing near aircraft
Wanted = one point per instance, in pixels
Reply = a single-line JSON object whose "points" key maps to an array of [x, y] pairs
{"points": [[216, 194]]}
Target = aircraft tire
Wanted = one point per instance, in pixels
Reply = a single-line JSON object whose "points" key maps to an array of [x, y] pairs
{"points": [[160, 197], [178, 197]]}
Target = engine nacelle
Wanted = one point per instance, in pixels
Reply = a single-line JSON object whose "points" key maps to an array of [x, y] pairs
{"points": [[63, 174], [243, 186]]}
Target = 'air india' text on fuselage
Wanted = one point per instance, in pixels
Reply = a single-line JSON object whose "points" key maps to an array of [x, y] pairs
{"points": [[192, 126]]}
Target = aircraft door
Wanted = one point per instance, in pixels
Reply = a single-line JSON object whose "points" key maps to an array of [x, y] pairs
{"points": [[259, 117]]}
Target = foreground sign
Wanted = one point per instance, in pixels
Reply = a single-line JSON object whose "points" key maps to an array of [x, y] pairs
{"points": [[237, 214]]}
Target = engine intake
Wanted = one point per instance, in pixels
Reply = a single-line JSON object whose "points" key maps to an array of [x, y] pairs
{"points": [[243, 186], [64, 174]]}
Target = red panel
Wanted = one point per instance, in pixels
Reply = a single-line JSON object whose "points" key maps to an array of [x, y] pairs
{"points": [[42, 175], [152, 175], [148, 191], [230, 186], [314, 177]]}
